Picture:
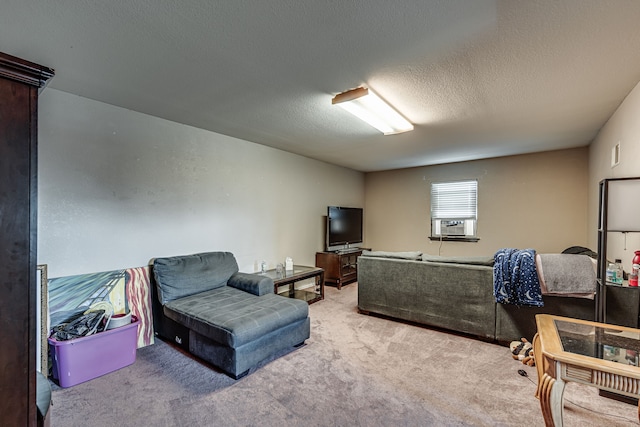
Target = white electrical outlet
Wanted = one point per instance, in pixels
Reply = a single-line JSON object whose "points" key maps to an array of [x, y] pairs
{"points": [[615, 155]]}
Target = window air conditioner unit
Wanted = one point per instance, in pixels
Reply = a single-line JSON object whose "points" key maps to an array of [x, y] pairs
{"points": [[452, 228]]}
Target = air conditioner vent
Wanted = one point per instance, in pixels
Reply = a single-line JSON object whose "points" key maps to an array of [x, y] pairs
{"points": [[452, 228]]}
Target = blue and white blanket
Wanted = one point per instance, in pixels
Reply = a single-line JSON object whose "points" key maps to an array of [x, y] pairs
{"points": [[515, 278]]}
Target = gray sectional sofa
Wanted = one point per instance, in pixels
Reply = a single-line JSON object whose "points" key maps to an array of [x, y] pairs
{"points": [[451, 293], [230, 319]]}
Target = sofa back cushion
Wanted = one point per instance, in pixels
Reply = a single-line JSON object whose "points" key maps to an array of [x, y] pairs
{"points": [[412, 255], [181, 276], [470, 260]]}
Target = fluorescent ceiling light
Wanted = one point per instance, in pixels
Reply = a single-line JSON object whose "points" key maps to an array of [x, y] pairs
{"points": [[368, 107]]}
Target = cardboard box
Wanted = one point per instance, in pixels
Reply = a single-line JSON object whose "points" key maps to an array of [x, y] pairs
{"points": [[83, 359]]}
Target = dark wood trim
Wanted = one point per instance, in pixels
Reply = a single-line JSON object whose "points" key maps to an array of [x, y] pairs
{"points": [[19, 70]]}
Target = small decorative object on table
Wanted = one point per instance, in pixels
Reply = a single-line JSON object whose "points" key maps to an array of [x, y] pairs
{"points": [[279, 271]]}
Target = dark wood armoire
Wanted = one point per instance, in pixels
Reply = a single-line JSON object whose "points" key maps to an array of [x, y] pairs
{"points": [[20, 83]]}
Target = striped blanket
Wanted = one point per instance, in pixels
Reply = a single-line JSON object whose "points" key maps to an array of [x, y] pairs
{"points": [[515, 278]]}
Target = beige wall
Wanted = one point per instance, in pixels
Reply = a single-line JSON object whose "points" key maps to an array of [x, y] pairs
{"points": [[117, 188], [529, 201], [112, 193], [623, 127]]}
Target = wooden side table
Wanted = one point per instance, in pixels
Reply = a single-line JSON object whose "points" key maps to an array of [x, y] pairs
{"points": [[586, 352]]}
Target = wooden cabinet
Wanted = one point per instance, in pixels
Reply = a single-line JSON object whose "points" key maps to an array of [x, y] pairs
{"points": [[19, 84], [340, 268]]}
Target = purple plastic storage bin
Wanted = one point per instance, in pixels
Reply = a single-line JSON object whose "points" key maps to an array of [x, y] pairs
{"points": [[83, 359]]}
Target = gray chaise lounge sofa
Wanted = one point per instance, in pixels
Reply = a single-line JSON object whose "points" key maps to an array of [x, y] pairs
{"points": [[230, 319], [451, 293]]}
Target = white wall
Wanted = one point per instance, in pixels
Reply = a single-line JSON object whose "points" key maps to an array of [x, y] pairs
{"points": [[117, 188], [622, 127]]}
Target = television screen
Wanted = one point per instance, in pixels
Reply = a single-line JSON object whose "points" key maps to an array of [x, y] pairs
{"points": [[344, 226]]}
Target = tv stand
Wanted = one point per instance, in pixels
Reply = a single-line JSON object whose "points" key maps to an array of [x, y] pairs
{"points": [[347, 250], [341, 266]]}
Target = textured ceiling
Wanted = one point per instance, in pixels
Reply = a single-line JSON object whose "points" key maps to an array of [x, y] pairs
{"points": [[478, 78]]}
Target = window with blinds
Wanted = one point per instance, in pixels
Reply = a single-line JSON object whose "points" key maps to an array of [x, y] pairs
{"points": [[454, 208]]}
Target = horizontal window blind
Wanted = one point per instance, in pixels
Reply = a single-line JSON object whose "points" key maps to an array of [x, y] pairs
{"points": [[454, 200]]}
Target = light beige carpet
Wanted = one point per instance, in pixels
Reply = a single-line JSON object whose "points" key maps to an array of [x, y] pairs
{"points": [[355, 370]]}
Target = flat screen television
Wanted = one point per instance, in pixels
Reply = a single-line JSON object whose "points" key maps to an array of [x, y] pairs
{"points": [[344, 226]]}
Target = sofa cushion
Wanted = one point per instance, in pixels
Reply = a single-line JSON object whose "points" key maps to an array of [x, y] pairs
{"points": [[233, 317], [398, 255], [181, 276], [471, 260], [255, 284]]}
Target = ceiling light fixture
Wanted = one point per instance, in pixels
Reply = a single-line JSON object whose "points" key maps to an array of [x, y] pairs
{"points": [[368, 107]]}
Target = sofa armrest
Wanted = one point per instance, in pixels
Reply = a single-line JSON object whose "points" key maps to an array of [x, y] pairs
{"points": [[253, 283]]}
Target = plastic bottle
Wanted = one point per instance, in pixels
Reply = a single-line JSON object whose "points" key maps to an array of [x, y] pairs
{"points": [[635, 270], [611, 273], [633, 276], [619, 272]]}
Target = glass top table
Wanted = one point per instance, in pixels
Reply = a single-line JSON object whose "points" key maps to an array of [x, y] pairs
{"points": [[287, 279], [600, 342], [597, 354]]}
